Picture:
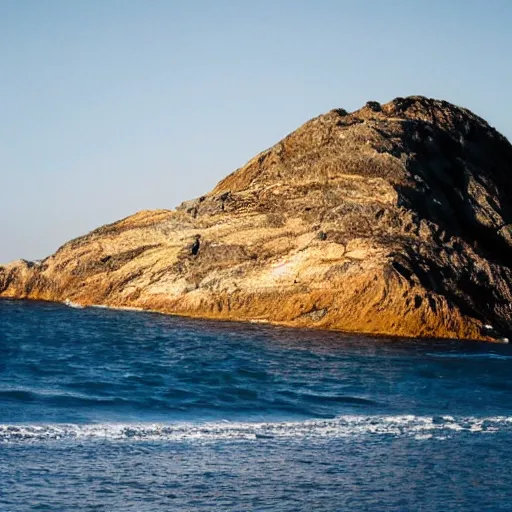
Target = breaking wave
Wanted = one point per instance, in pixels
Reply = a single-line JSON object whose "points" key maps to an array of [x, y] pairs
{"points": [[418, 427], [72, 304]]}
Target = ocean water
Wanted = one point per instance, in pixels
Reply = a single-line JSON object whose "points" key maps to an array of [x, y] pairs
{"points": [[106, 410]]}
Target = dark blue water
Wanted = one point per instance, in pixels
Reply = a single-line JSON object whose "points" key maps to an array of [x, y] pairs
{"points": [[116, 410]]}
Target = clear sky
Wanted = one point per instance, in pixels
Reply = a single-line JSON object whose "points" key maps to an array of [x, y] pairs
{"points": [[112, 106]]}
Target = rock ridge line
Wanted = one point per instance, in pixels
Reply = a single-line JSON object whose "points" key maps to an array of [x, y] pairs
{"points": [[395, 219]]}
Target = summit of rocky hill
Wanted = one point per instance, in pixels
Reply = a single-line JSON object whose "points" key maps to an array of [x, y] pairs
{"points": [[394, 219]]}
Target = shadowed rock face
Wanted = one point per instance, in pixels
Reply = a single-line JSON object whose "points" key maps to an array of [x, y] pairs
{"points": [[395, 219]]}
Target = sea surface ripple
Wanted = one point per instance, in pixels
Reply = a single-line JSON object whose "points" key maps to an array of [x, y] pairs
{"points": [[117, 410]]}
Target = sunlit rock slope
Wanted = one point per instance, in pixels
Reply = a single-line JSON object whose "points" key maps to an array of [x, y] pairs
{"points": [[394, 219]]}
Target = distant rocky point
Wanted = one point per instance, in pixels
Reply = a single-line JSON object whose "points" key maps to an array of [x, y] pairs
{"points": [[395, 219]]}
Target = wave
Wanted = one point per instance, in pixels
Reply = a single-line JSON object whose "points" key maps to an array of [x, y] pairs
{"points": [[26, 395], [120, 308], [72, 304], [489, 355], [418, 427]]}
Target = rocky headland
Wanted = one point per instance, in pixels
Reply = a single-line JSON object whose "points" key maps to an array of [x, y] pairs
{"points": [[394, 219]]}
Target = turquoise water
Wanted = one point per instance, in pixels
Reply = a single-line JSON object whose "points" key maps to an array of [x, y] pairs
{"points": [[116, 410]]}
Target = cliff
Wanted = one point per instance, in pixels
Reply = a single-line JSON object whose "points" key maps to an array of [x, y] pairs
{"points": [[394, 219]]}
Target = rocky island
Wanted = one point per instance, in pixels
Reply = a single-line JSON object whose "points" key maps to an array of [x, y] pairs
{"points": [[395, 219]]}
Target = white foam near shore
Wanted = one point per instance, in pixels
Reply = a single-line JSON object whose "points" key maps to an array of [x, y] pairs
{"points": [[418, 427], [72, 304], [120, 308]]}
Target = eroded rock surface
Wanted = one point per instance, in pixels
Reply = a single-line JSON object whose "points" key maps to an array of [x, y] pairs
{"points": [[394, 219]]}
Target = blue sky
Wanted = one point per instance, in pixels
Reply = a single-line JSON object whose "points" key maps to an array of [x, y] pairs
{"points": [[112, 106]]}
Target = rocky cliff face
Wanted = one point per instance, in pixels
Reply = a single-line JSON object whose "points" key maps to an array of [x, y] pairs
{"points": [[394, 219]]}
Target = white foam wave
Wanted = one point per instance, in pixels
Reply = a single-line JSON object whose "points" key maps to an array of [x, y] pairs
{"points": [[72, 304], [120, 308], [418, 427]]}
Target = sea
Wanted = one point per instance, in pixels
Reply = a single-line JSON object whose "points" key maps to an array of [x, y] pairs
{"points": [[110, 410]]}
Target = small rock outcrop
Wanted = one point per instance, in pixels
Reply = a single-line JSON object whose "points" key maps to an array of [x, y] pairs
{"points": [[395, 219]]}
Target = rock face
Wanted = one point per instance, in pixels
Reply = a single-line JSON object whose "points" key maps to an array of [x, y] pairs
{"points": [[395, 219]]}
